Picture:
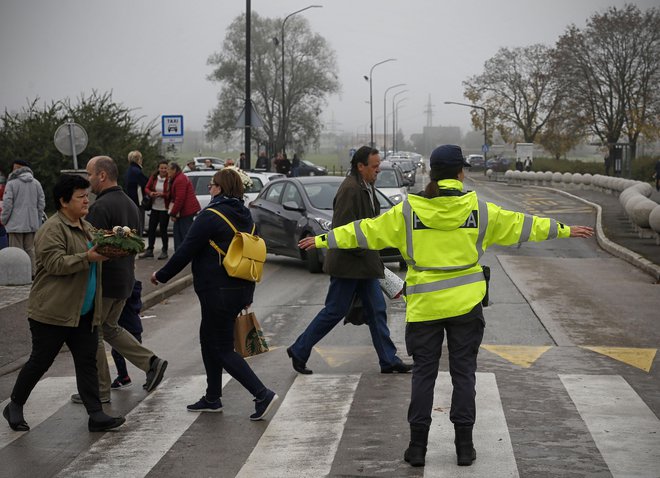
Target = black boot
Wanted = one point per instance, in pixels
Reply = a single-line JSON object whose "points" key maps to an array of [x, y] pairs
{"points": [[416, 452], [13, 413], [465, 452]]}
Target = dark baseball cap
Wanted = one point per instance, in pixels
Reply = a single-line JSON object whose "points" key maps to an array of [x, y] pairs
{"points": [[448, 155], [21, 162]]}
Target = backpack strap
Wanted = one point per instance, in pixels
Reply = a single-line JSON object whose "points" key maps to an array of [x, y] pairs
{"points": [[213, 244]]}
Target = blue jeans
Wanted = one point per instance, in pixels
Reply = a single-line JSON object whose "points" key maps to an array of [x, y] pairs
{"points": [[337, 303], [180, 229], [216, 335]]}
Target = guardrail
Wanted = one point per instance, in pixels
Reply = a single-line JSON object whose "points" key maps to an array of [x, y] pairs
{"points": [[644, 213]]}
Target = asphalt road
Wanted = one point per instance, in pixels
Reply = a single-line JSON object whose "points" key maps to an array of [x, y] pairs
{"points": [[568, 382]]}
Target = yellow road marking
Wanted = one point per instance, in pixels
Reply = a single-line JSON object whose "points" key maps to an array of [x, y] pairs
{"points": [[522, 355], [338, 356], [637, 357]]}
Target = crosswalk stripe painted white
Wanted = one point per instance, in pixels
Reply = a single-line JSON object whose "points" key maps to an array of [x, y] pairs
{"points": [[625, 430], [491, 438], [150, 431], [303, 437], [46, 398]]}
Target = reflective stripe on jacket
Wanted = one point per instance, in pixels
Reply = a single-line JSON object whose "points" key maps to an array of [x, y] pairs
{"points": [[442, 240]]}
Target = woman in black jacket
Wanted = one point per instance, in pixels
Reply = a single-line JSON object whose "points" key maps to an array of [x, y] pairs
{"points": [[221, 297]]}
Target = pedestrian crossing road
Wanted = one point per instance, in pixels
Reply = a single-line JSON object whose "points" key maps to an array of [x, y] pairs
{"points": [[326, 420]]}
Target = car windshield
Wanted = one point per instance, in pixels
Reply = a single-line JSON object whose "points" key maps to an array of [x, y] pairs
{"points": [[308, 163], [321, 195], [387, 179], [405, 166], [257, 185], [201, 184]]}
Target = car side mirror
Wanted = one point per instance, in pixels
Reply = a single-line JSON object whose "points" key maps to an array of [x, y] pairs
{"points": [[292, 206]]}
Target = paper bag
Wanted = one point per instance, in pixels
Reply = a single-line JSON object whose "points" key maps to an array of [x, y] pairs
{"points": [[248, 337]]}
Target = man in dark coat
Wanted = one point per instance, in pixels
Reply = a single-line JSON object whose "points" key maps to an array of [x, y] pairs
{"points": [[113, 207], [353, 272]]}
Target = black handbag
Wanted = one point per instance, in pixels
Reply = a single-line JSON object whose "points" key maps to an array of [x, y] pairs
{"points": [[146, 203], [356, 314]]}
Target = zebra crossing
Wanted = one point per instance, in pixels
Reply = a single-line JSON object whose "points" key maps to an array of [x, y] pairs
{"points": [[304, 436]]}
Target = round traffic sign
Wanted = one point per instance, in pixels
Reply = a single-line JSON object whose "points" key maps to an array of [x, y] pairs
{"points": [[70, 139]]}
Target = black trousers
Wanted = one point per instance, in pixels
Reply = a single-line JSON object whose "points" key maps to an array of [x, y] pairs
{"points": [[424, 343], [158, 219], [47, 340]]}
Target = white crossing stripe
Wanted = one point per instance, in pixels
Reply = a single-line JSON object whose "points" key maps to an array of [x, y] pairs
{"points": [[491, 438], [303, 437], [625, 430], [150, 431], [46, 398]]}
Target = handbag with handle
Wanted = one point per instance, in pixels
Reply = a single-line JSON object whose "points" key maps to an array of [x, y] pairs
{"points": [[249, 339]]}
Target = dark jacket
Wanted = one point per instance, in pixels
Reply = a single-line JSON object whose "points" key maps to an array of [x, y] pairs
{"points": [[135, 179], [130, 314], [183, 201], [208, 273], [351, 203], [111, 208]]}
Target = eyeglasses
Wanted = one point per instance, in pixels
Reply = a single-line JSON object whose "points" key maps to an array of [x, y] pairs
{"points": [[211, 185]]}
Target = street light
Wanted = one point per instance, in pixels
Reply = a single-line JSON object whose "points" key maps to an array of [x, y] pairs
{"points": [[385, 116], [371, 98], [283, 119], [393, 125], [485, 147], [395, 121]]}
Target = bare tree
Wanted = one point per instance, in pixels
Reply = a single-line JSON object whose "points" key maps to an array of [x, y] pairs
{"points": [[310, 69], [518, 89], [610, 72]]}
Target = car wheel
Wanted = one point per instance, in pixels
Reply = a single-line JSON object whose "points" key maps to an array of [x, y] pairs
{"points": [[314, 264]]}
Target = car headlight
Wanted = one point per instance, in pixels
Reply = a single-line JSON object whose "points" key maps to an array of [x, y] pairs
{"points": [[396, 199], [324, 223]]}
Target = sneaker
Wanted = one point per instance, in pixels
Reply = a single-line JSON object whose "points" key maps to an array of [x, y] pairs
{"points": [[264, 406], [155, 373], [163, 255], [120, 383], [204, 405], [75, 398], [146, 253], [397, 368]]}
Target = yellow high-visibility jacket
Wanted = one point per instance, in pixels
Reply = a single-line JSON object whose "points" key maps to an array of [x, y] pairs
{"points": [[442, 240]]}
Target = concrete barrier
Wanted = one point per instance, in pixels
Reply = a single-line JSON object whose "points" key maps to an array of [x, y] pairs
{"points": [[15, 267]]}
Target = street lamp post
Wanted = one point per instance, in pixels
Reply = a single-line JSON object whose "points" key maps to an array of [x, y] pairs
{"points": [[485, 148], [371, 98], [385, 116], [393, 125], [395, 121], [282, 113]]}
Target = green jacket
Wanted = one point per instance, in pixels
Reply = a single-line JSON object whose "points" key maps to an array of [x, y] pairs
{"points": [[59, 287], [442, 240]]}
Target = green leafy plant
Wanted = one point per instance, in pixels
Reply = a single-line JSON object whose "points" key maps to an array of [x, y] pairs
{"points": [[119, 242]]}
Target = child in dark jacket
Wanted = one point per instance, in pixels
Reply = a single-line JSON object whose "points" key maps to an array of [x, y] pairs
{"points": [[129, 320]]}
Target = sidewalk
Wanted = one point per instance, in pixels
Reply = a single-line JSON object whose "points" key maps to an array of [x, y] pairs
{"points": [[14, 332]]}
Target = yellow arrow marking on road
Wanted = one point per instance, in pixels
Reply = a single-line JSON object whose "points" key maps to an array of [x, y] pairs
{"points": [[338, 356], [522, 355], [640, 358]]}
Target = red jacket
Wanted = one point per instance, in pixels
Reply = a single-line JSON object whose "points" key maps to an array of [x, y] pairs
{"points": [[182, 196], [151, 188]]}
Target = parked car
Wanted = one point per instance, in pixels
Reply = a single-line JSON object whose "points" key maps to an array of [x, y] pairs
{"points": [[476, 161], [307, 168], [408, 169], [216, 163], [201, 180], [390, 181], [289, 209], [498, 164]]}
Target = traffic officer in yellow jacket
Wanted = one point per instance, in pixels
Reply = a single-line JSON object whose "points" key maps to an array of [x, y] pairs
{"points": [[442, 236]]}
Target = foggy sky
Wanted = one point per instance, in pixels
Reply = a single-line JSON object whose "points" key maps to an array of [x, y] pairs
{"points": [[152, 54]]}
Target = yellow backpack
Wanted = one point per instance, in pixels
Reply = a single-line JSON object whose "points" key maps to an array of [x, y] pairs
{"points": [[245, 255]]}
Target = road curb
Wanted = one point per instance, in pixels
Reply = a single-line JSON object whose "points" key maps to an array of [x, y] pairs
{"points": [[613, 248]]}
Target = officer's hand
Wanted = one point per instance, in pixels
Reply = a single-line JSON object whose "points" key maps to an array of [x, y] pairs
{"points": [[307, 243], [582, 231]]}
